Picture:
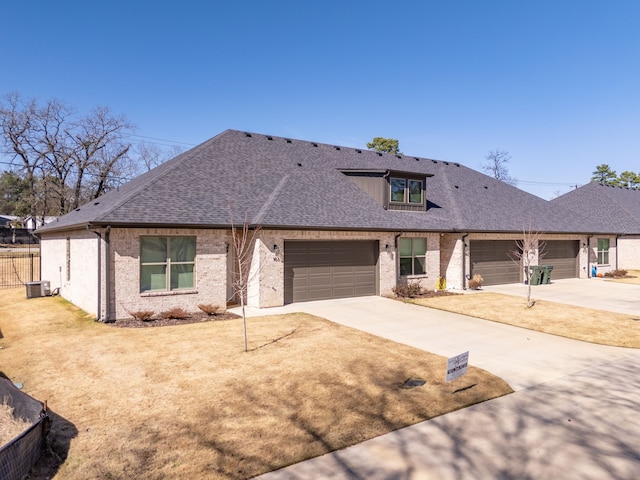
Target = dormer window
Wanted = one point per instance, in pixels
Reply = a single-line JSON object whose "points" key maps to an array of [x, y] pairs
{"points": [[406, 190]]}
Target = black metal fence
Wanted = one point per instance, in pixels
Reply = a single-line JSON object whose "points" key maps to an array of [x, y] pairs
{"points": [[18, 268], [17, 236]]}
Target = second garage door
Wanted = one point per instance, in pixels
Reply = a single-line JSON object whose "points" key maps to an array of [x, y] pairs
{"points": [[563, 256], [490, 258], [320, 270]]}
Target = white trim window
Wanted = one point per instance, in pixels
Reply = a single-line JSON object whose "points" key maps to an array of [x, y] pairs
{"points": [[413, 252], [167, 263], [603, 251]]}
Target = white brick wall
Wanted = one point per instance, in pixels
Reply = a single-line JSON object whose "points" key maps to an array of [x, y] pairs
{"points": [[629, 252], [210, 275], [81, 287]]}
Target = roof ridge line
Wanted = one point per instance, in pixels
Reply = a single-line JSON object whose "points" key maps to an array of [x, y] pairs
{"points": [[257, 220]]}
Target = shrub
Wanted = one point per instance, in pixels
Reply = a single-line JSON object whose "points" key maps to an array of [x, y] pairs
{"points": [[176, 313], [616, 274], [142, 315], [410, 290], [208, 308]]}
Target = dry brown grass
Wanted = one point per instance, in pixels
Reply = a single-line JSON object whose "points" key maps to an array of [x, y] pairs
{"points": [[187, 402], [589, 325], [10, 427], [15, 268]]}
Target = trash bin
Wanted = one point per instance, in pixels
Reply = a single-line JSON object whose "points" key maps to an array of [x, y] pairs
{"points": [[535, 275], [546, 274]]}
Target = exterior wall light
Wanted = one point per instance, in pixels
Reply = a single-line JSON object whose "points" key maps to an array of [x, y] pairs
{"points": [[276, 250]]}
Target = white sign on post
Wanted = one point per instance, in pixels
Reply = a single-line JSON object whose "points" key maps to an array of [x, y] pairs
{"points": [[457, 366]]}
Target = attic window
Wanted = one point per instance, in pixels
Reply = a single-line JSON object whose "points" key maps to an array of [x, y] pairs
{"points": [[405, 190], [247, 134]]}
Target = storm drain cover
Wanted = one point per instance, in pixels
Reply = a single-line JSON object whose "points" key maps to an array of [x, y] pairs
{"points": [[414, 382]]}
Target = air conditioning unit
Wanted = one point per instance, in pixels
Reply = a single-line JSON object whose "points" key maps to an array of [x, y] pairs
{"points": [[38, 289]]}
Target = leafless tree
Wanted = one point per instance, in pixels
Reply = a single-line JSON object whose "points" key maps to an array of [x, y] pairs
{"points": [[496, 166], [150, 155], [243, 242], [66, 159], [529, 251]]}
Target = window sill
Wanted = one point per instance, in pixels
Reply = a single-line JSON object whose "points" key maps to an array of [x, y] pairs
{"points": [[415, 277], [165, 293]]}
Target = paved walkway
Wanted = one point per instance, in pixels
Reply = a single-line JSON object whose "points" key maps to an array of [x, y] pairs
{"points": [[574, 413]]}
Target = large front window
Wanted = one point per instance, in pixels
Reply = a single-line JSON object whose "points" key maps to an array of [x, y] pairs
{"points": [[167, 263], [603, 251], [413, 256]]}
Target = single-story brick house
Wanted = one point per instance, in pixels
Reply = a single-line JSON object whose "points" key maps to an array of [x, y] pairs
{"points": [[335, 222], [619, 209]]}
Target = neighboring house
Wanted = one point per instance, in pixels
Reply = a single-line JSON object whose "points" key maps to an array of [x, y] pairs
{"points": [[335, 222], [617, 210], [7, 220], [33, 223]]}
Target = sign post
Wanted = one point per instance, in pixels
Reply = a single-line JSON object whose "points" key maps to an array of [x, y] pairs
{"points": [[457, 366]]}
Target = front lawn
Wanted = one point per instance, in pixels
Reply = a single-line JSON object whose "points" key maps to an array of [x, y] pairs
{"points": [[586, 324], [186, 402]]}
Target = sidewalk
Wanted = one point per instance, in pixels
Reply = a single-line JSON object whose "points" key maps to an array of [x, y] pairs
{"points": [[573, 416]]}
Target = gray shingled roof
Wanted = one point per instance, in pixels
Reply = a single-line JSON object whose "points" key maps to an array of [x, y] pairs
{"points": [[286, 183], [616, 209]]}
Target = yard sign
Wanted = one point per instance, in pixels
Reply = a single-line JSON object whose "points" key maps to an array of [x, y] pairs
{"points": [[457, 366]]}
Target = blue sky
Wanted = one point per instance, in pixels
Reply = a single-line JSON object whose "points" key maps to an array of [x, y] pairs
{"points": [[556, 83]]}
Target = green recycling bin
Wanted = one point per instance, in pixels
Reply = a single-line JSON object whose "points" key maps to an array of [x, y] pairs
{"points": [[535, 275], [546, 274]]}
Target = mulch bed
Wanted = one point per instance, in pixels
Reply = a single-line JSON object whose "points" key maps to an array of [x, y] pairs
{"points": [[164, 322], [432, 294]]}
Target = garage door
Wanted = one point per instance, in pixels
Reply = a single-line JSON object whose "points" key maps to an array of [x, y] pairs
{"points": [[320, 270], [490, 258], [563, 255]]}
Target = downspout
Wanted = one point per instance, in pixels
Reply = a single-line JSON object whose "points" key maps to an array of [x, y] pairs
{"points": [[589, 255], [99, 309], [464, 261], [107, 274], [396, 261], [617, 249]]}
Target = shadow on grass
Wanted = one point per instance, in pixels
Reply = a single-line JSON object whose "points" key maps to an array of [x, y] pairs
{"points": [[570, 428], [56, 448]]}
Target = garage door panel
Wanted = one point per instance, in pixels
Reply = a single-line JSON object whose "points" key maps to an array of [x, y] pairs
{"points": [[318, 270], [563, 256], [491, 259]]}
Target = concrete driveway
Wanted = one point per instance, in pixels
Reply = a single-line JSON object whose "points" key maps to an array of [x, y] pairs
{"points": [[574, 413], [597, 293]]}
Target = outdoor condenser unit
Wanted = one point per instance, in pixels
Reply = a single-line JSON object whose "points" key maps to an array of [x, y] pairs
{"points": [[38, 289]]}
